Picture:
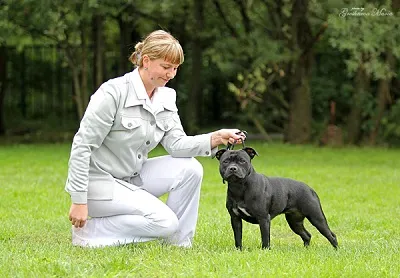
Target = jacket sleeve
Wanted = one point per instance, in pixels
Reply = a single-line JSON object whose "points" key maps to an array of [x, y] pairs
{"points": [[177, 143], [95, 125]]}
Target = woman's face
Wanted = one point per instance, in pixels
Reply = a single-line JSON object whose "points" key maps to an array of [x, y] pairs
{"points": [[159, 71]]}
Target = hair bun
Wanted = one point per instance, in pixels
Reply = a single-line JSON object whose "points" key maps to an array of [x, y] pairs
{"points": [[139, 47]]}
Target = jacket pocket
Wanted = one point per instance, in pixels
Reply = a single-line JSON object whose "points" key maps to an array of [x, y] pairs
{"points": [[165, 124], [130, 123], [131, 132]]}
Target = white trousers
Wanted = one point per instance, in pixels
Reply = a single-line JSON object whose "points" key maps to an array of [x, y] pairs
{"points": [[138, 215]]}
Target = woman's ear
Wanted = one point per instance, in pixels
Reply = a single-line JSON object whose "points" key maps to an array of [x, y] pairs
{"points": [[145, 61]]}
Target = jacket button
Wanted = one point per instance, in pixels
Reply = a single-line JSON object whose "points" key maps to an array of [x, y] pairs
{"points": [[207, 152], [147, 142], [153, 122], [166, 126], [139, 156], [135, 174], [130, 125]]}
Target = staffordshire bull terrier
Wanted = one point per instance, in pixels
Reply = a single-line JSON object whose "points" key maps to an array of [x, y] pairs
{"points": [[257, 199]]}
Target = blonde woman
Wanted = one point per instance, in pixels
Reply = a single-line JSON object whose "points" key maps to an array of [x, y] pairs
{"points": [[114, 186]]}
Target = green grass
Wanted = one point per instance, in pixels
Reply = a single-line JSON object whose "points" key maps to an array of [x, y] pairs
{"points": [[359, 189]]}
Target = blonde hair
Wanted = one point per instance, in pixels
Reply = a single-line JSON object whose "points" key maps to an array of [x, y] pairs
{"points": [[158, 44]]}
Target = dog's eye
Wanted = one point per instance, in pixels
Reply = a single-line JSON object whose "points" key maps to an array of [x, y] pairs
{"points": [[225, 161], [242, 161]]}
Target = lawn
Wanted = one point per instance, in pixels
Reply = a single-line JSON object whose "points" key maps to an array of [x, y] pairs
{"points": [[359, 190]]}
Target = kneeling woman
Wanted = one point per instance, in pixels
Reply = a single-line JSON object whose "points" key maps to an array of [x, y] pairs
{"points": [[110, 178]]}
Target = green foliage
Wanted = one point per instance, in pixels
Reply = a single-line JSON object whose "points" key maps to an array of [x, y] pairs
{"points": [[11, 33], [358, 189], [50, 20], [245, 50], [258, 102], [365, 37]]}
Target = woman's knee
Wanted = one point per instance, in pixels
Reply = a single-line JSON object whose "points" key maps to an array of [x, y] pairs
{"points": [[193, 168], [160, 224], [167, 224]]}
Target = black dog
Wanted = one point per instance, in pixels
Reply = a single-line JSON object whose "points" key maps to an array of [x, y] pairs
{"points": [[257, 199]]}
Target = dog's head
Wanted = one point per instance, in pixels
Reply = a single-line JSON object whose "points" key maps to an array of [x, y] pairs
{"points": [[235, 165]]}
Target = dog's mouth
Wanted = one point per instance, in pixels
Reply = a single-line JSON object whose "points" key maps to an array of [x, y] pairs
{"points": [[232, 177]]}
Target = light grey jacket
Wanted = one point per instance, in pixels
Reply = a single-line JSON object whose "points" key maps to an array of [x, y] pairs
{"points": [[120, 127]]}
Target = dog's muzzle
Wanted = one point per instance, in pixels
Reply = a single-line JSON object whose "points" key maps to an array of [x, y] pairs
{"points": [[233, 172]]}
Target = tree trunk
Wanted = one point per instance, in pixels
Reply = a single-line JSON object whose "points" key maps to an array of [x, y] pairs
{"points": [[298, 129], [23, 94], [98, 40], [355, 117], [3, 85], [84, 71], [192, 108], [383, 98], [124, 31], [77, 95]]}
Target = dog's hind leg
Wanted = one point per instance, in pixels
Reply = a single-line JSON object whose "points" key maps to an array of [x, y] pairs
{"points": [[296, 223], [319, 221], [323, 228], [316, 216]]}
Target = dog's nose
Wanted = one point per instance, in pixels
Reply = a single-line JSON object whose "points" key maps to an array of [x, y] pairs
{"points": [[232, 169]]}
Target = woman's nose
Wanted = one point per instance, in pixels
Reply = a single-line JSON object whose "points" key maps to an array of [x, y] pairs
{"points": [[171, 75]]}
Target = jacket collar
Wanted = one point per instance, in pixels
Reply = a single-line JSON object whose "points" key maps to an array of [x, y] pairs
{"points": [[138, 96], [136, 91]]}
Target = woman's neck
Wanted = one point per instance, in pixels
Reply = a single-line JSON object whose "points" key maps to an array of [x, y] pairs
{"points": [[147, 84]]}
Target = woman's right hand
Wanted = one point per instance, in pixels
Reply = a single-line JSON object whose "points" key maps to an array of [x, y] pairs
{"points": [[225, 136], [78, 215]]}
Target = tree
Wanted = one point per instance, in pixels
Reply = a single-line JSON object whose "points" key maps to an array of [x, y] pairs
{"points": [[299, 123], [10, 33], [197, 45], [383, 98], [280, 40], [66, 26], [3, 85], [251, 56], [370, 45]]}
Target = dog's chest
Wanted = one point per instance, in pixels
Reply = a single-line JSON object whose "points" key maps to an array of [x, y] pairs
{"points": [[241, 210], [238, 203]]}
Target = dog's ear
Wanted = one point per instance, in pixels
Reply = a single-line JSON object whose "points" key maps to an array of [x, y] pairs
{"points": [[251, 152], [220, 153]]}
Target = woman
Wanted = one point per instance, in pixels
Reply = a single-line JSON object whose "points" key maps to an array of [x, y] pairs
{"points": [[111, 179]]}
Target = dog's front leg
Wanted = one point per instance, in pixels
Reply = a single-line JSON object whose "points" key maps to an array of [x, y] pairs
{"points": [[236, 223], [265, 227]]}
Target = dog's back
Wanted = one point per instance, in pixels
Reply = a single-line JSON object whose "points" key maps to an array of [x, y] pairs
{"points": [[289, 195]]}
